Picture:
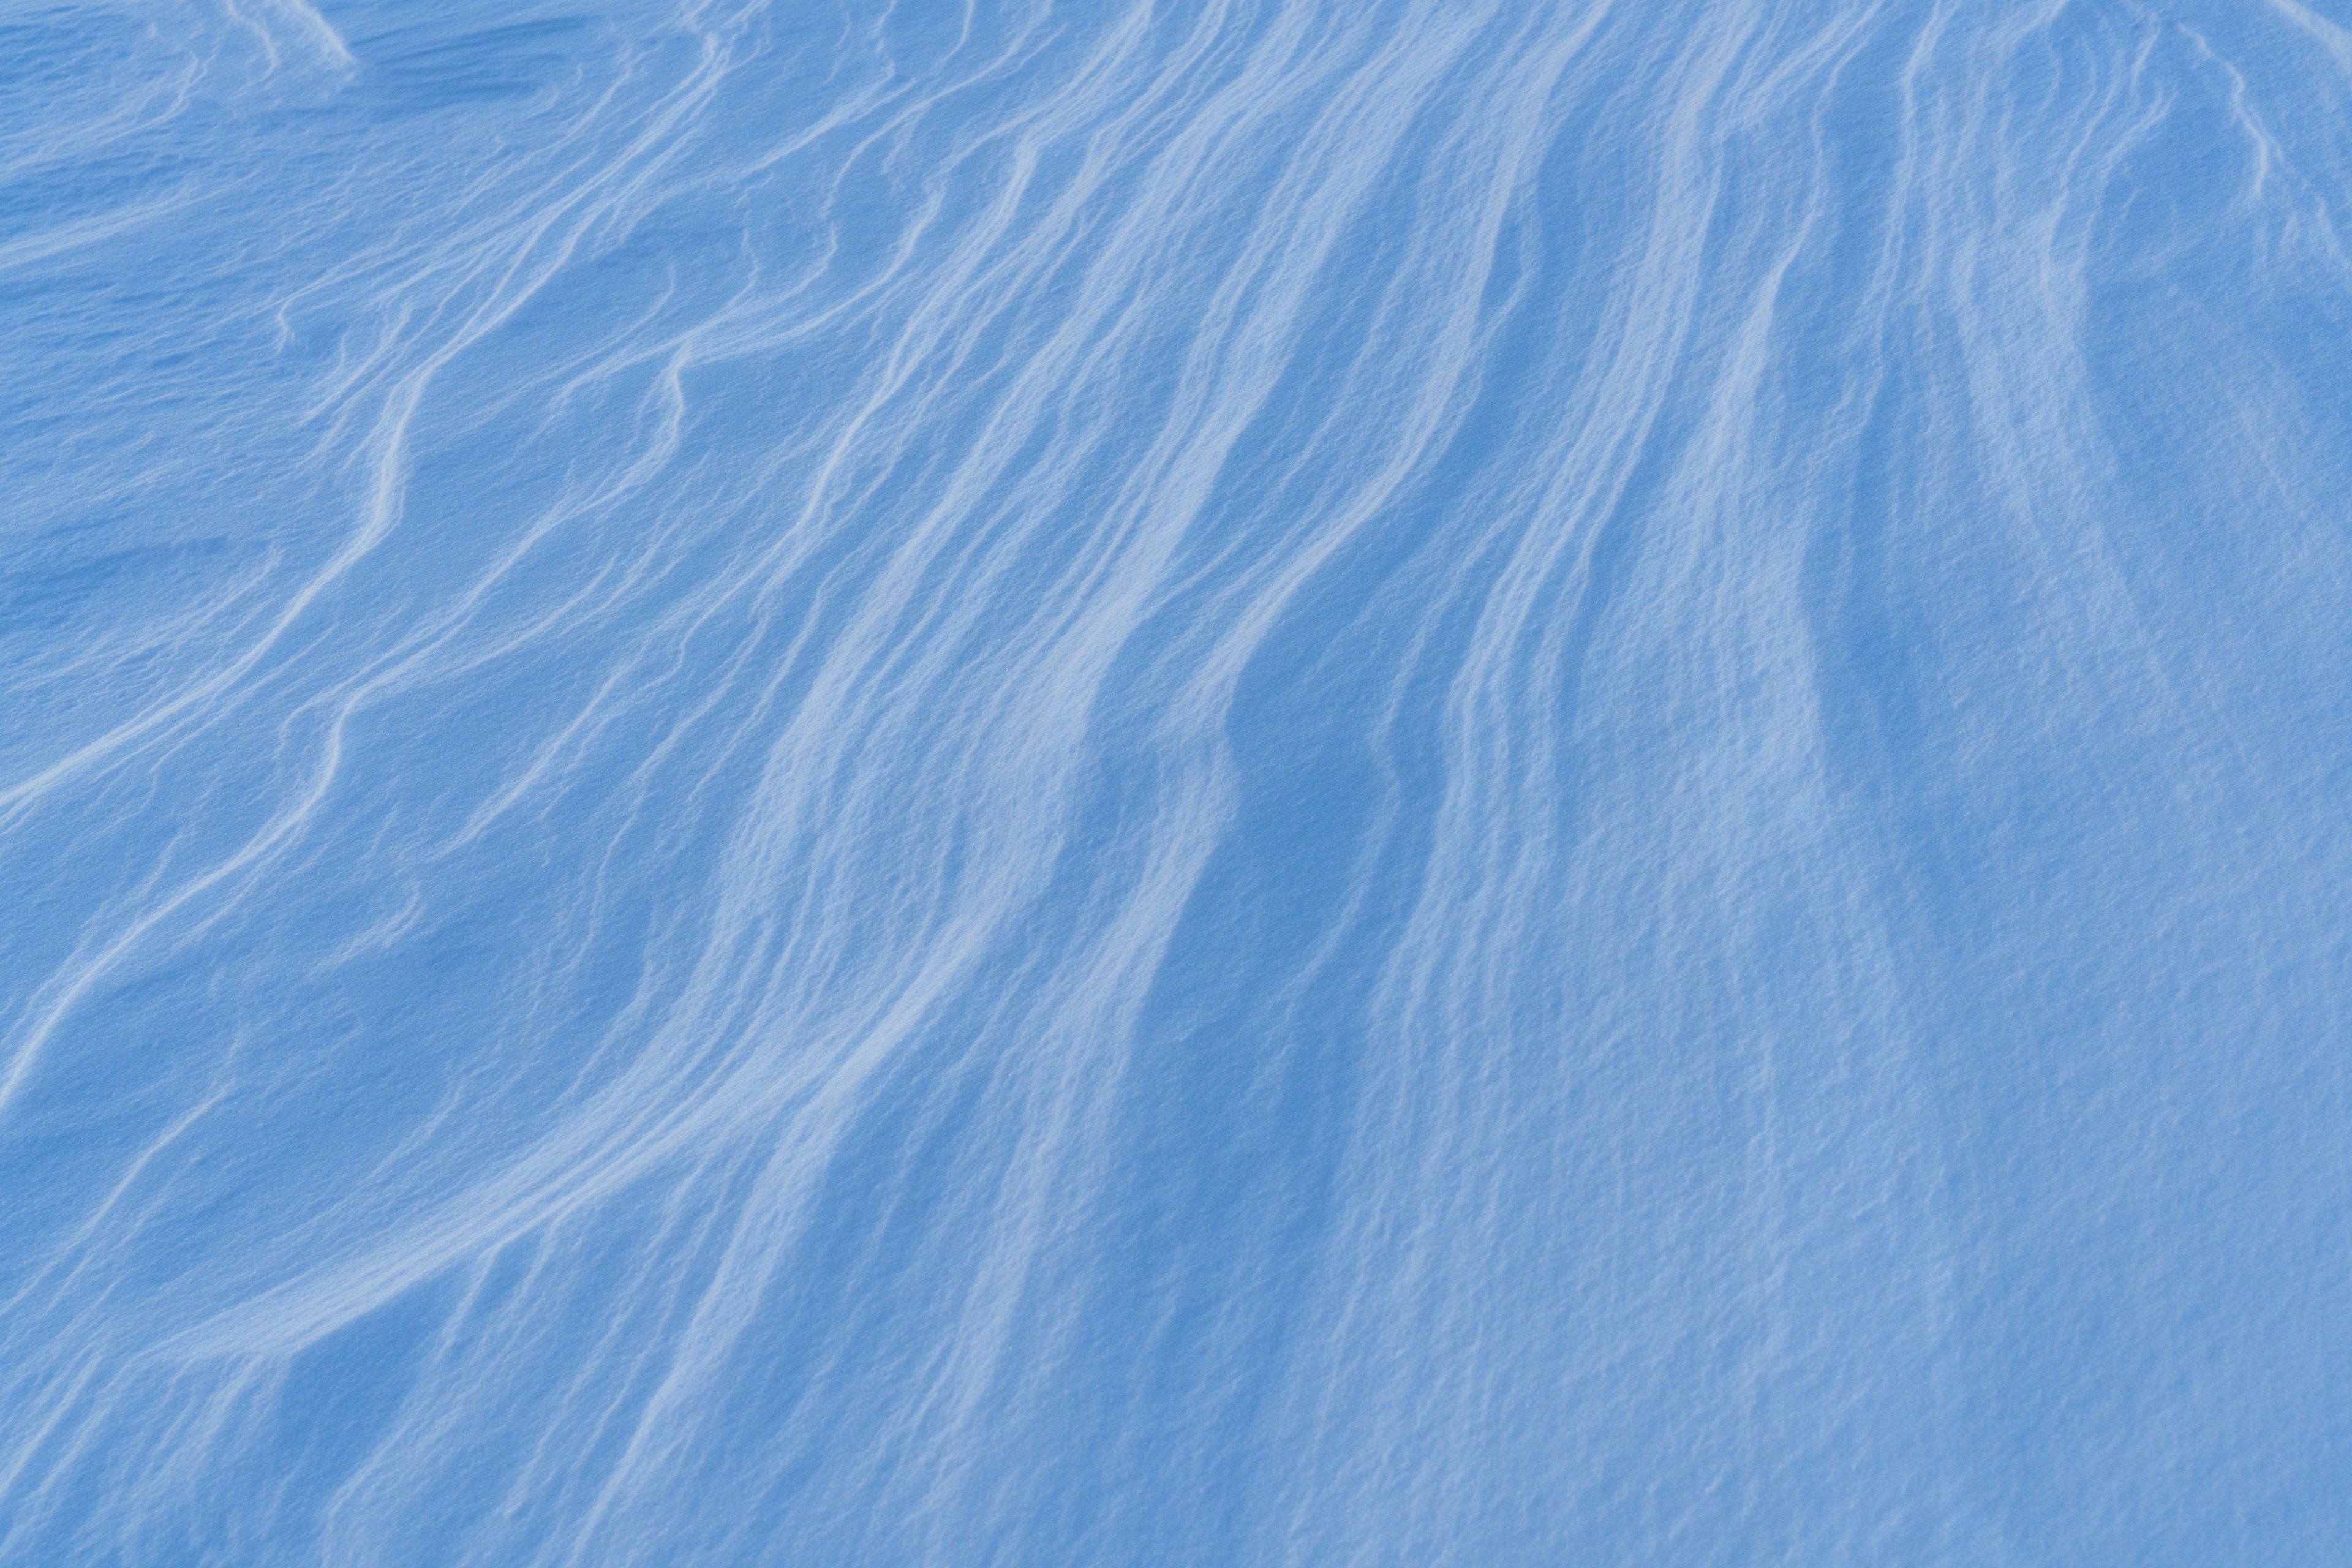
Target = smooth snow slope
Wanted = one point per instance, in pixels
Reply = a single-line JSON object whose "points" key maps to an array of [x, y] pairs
{"points": [[1176, 782]]}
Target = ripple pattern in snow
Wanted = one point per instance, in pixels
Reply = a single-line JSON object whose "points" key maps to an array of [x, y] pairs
{"points": [[1175, 781]]}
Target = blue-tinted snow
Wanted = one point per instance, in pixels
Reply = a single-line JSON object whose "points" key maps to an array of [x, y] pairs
{"points": [[1243, 782]]}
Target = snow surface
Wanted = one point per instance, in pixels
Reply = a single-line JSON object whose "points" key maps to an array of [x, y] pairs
{"points": [[1175, 781]]}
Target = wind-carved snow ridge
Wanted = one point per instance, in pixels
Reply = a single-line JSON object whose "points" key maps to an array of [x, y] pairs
{"points": [[1401, 783]]}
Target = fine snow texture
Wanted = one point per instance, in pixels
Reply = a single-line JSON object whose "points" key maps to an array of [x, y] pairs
{"points": [[1224, 783]]}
